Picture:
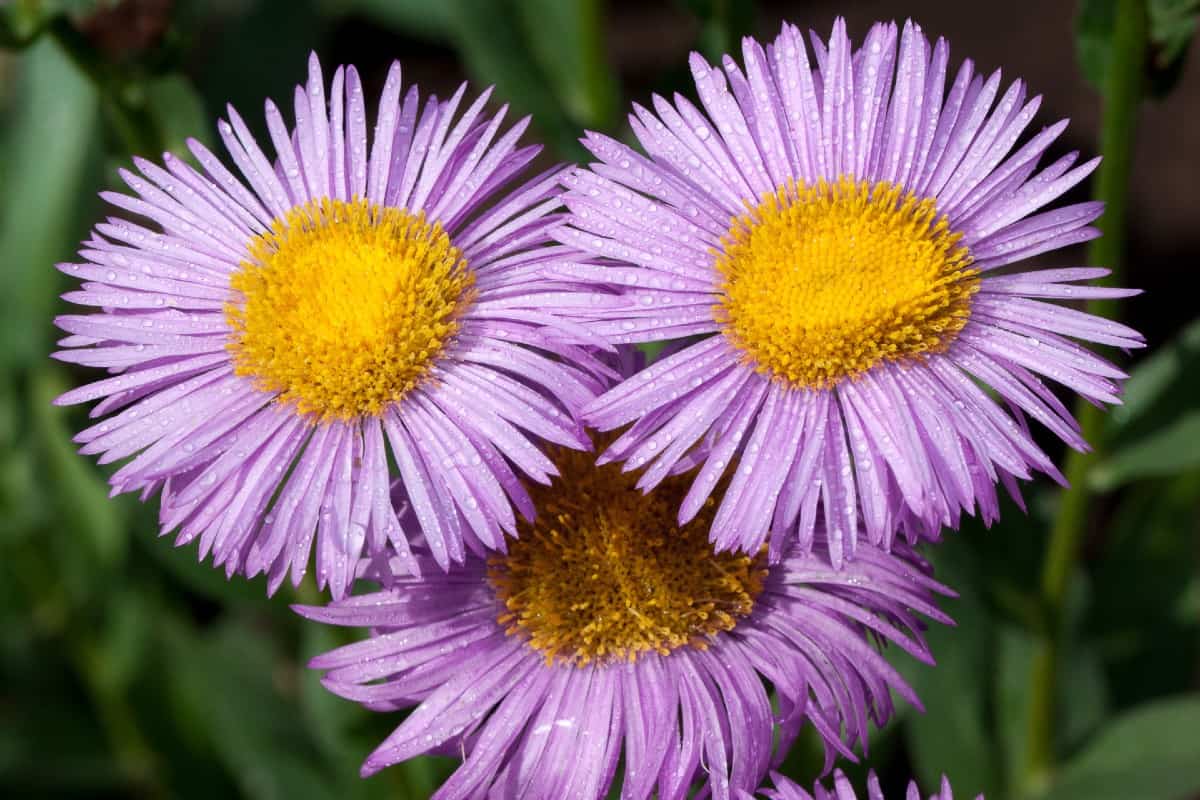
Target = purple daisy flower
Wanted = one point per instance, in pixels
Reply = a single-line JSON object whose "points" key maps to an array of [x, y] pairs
{"points": [[826, 236], [276, 341], [608, 633], [785, 789]]}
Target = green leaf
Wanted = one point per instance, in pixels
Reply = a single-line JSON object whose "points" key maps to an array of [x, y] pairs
{"points": [[1172, 27], [50, 148], [1093, 37], [1152, 751], [651, 350], [79, 494], [1151, 433], [567, 39], [177, 111], [1163, 382], [228, 683], [497, 50], [330, 718], [347, 733], [264, 46], [1172, 24], [952, 735], [125, 638], [1141, 583], [182, 564], [1015, 650], [546, 57], [419, 17], [21, 502], [44, 717], [1169, 450], [1084, 694], [722, 24], [22, 21]]}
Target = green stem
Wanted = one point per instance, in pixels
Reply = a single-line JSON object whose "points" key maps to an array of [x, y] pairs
{"points": [[1122, 94]]}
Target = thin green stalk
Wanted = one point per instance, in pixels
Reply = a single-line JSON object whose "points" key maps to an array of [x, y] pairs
{"points": [[1121, 96]]}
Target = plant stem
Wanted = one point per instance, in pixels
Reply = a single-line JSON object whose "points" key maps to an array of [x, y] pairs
{"points": [[1121, 96]]}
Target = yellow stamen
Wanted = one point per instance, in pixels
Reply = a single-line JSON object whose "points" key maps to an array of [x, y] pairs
{"points": [[345, 306], [605, 573], [824, 282]]}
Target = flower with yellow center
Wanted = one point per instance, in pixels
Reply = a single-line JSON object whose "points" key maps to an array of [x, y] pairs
{"points": [[825, 282], [605, 573], [346, 306], [288, 345], [819, 245], [609, 634]]}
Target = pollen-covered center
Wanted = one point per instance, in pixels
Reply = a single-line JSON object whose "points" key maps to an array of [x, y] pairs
{"points": [[826, 281], [345, 306], [605, 573]]}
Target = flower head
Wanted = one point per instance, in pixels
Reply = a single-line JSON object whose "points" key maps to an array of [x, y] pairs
{"points": [[825, 238], [785, 789], [610, 634], [278, 341]]}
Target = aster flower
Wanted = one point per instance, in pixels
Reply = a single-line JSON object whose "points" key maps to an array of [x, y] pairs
{"points": [[785, 789], [826, 236], [609, 634], [278, 341]]}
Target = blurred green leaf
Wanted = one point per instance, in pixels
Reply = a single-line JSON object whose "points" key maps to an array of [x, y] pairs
{"points": [[952, 736], [1083, 695], [1082, 701], [178, 112], [329, 717], [651, 350], [182, 564], [567, 39], [1140, 584], [722, 25], [1154, 431], [1093, 34], [21, 21], [20, 492], [1170, 449], [124, 638], [1015, 650], [347, 733], [50, 146], [1172, 27], [1085, 699], [45, 718], [262, 52], [546, 57], [1152, 751], [497, 51], [1172, 24], [1167, 379], [79, 495], [227, 681], [420, 17]]}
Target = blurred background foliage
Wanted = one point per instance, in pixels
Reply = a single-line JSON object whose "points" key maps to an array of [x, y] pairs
{"points": [[126, 669]]}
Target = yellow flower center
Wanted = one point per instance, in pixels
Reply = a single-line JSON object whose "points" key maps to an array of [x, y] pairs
{"points": [[345, 306], [824, 282], [605, 573]]}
